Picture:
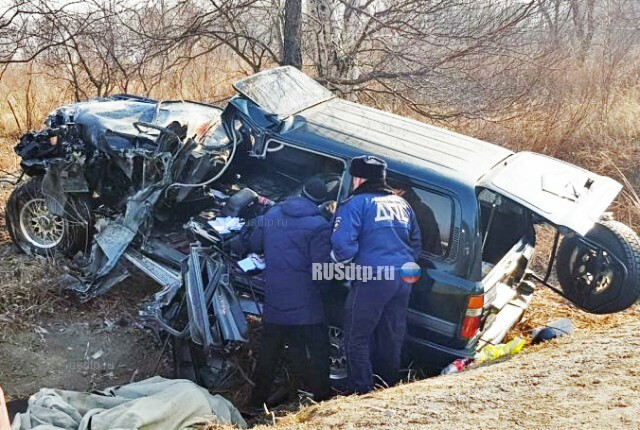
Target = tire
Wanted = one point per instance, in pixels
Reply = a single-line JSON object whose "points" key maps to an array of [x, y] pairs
{"points": [[600, 287], [35, 230], [334, 305]]}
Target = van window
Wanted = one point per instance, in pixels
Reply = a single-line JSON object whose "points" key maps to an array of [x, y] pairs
{"points": [[434, 213]]}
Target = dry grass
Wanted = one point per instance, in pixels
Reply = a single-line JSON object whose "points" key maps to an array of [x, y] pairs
{"points": [[572, 125], [26, 284], [31, 289], [576, 382], [28, 93], [28, 288], [579, 122], [570, 116], [547, 306]]}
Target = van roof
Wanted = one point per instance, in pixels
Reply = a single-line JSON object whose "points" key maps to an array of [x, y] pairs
{"points": [[360, 129]]}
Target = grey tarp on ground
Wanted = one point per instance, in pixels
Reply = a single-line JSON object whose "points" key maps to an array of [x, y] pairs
{"points": [[155, 403]]}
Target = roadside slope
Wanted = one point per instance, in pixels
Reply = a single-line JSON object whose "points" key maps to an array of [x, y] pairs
{"points": [[590, 379]]}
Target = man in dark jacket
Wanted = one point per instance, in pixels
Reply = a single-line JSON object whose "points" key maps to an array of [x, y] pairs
{"points": [[375, 227], [293, 235]]}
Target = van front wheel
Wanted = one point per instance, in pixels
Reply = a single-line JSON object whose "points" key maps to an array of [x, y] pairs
{"points": [[35, 229]]}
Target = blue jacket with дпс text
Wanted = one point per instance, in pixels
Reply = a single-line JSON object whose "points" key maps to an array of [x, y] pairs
{"points": [[376, 229]]}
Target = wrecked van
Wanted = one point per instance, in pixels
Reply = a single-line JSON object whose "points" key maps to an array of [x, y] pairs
{"points": [[169, 188]]}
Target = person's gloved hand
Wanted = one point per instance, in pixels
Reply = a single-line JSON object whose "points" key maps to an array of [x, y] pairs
{"points": [[329, 208]]}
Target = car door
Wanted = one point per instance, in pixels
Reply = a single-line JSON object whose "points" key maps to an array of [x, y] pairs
{"points": [[565, 195], [598, 261]]}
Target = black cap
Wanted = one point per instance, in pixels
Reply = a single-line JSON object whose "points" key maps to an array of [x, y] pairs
{"points": [[368, 167], [315, 190]]}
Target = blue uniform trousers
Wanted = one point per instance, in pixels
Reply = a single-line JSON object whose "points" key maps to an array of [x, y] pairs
{"points": [[375, 325]]}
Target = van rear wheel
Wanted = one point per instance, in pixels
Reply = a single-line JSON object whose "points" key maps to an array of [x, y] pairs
{"points": [[593, 279]]}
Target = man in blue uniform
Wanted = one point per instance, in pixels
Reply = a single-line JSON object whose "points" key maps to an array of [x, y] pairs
{"points": [[293, 235], [375, 227]]}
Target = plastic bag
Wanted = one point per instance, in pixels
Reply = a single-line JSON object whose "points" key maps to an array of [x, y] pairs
{"points": [[493, 352]]}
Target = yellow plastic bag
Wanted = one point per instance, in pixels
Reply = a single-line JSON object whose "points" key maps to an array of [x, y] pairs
{"points": [[493, 352]]}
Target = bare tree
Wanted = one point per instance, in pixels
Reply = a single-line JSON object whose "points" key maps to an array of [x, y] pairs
{"points": [[23, 29], [439, 58], [292, 53], [104, 52], [248, 28], [584, 21]]}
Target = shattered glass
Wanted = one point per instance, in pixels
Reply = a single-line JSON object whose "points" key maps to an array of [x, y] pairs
{"points": [[284, 91], [134, 158]]}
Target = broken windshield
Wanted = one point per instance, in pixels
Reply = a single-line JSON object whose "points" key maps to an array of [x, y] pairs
{"points": [[284, 91]]}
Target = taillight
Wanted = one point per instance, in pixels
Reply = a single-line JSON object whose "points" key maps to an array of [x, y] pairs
{"points": [[472, 317]]}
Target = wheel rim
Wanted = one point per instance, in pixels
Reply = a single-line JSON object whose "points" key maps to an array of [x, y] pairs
{"points": [[594, 271], [337, 356], [39, 226]]}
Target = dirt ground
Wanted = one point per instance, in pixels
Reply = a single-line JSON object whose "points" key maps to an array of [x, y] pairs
{"points": [[590, 379], [56, 341], [49, 339]]}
